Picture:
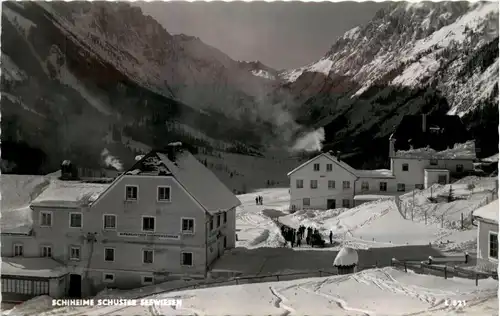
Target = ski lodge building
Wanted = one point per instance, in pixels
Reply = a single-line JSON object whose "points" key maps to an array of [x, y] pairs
{"points": [[168, 217], [326, 182]]}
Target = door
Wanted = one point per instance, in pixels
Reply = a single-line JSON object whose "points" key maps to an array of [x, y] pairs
{"points": [[75, 286], [330, 204]]}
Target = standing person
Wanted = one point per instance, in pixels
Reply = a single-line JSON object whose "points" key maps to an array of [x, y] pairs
{"points": [[331, 238], [256, 200], [298, 239], [292, 237], [260, 199]]}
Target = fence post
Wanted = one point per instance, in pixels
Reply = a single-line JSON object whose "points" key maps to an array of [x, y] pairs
{"points": [[462, 220], [466, 257], [445, 273], [406, 269], [477, 279], [278, 277], [442, 221], [425, 215]]}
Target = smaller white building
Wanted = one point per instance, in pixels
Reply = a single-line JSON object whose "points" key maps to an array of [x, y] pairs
{"points": [[432, 176], [487, 233], [346, 260]]}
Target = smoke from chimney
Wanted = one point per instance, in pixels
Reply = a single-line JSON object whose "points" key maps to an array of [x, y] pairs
{"points": [[110, 160]]}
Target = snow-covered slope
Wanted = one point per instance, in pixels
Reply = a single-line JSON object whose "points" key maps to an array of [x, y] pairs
{"points": [[413, 45]]}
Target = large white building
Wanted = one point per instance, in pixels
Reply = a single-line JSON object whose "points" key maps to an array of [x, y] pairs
{"points": [[326, 182]]}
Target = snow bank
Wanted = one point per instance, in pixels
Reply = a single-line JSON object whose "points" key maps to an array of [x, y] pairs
{"points": [[371, 292], [31, 307], [32, 267]]}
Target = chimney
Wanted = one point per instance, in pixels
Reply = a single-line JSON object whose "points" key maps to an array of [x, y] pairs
{"points": [[68, 170], [172, 150], [424, 123], [338, 155]]}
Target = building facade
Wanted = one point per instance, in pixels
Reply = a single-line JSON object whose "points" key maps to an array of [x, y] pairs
{"points": [[168, 217], [487, 234]]}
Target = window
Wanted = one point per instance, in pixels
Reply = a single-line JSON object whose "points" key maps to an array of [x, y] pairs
{"points": [[346, 185], [187, 259], [419, 186], [212, 224], [74, 253], [405, 167], [314, 184], [18, 250], [75, 220], [46, 251], [147, 256], [329, 167], [147, 280], [442, 179], [493, 245], [218, 220], [225, 217], [331, 184], [109, 221], [401, 187], [383, 186], [109, 254], [460, 168], [45, 219], [365, 186], [299, 183], [163, 194], [148, 223], [316, 167], [131, 192], [306, 201], [108, 277], [433, 162], [346, 203], [188, 225]]}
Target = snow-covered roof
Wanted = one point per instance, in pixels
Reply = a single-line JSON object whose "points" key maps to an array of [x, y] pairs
{"points": [[466, 151], [488, 212], [378, 173], [71, 194], [333, 159], [198, 180], [346, 257], [436, 170], [371, 197], [32, 267]]}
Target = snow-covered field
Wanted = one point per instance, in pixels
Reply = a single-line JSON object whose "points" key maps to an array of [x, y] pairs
{"points": [[383, 291]]}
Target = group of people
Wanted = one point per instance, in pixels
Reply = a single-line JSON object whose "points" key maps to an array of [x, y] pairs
{"points": [[258, 200], [295, 236]]}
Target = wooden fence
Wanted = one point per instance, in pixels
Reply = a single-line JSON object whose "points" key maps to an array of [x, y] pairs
{"points": [[440, 266]]}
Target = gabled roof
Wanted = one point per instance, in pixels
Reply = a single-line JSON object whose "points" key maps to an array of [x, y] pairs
{"points": [[328, 156], [489, 212], [201, 183]]}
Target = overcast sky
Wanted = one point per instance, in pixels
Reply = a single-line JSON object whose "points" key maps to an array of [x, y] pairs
{"points": [[280, 35]]}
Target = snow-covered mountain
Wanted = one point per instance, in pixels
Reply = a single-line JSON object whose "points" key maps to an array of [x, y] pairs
{"points": [[259, 69], [432, 52], [67, 64]]}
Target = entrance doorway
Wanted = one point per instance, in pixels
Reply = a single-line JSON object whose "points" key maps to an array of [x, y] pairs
{"points": [[75, 286], [330, 204]]}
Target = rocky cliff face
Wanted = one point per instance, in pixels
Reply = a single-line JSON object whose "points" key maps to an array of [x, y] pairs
{"points": [[411, 58]]}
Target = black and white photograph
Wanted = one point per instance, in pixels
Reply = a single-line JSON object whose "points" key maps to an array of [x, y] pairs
{"points": [[249, 158]]}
